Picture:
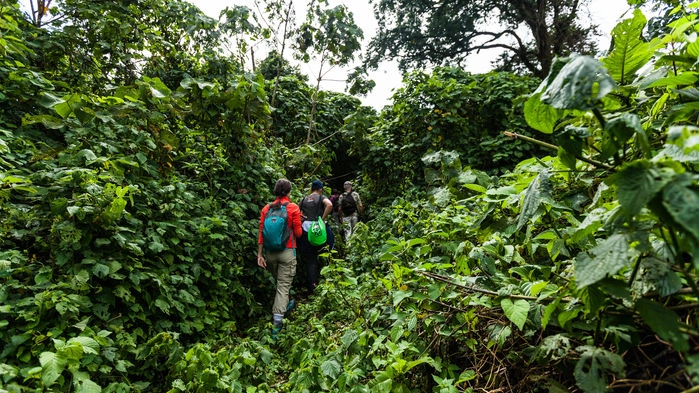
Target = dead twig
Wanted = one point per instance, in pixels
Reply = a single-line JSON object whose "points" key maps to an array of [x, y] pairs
{"points": [[514, 135]]}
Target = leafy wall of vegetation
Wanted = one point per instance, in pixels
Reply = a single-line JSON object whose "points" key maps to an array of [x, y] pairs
{"points": [[448, 110], [125, 215]]}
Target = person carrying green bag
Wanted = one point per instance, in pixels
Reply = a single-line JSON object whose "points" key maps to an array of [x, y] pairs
{"points": [[315, 209], [317, 233]]}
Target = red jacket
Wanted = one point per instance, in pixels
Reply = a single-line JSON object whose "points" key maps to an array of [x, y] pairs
{"points": [[294, 221]]}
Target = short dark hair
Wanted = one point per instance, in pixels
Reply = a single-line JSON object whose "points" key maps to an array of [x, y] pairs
{"points": [[282, 188]]}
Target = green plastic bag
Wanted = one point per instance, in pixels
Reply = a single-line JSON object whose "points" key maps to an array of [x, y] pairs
{"points": [[317, 234]]}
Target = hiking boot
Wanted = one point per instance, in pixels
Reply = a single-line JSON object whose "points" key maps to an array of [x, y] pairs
{"points": [[274, 333]]}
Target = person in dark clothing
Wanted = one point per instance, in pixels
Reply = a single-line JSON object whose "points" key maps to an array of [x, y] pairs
{"points": [[351, 209], [313, 206], [335, 199]]}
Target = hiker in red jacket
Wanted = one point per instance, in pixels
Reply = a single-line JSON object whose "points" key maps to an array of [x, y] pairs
{"points": [[281, 263]]}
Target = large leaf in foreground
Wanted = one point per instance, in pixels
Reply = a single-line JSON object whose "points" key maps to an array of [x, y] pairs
{"points": [[681, 199], [580, 84], [591, 369], [629, 52], [607, 258], [516, 311], [637, 184]]}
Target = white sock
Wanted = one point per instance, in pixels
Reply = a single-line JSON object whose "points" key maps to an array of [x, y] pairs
{"points": [[277, 319]]}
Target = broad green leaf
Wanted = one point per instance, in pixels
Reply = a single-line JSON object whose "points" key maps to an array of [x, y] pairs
{"points": [[580, 85], [349, 337], [540, 116], [466, 376], [659, 275], [47, 121], [516, 311], [682, 112], [474, 187], [593, 299], [683, 79], [607, 258], [88, 154], [331, 368], [163, 305], [157, 88], [398, 296], [572, 139], [539, 189], [442, 196], [82, 324], [537, 287], [52, 365], [72, 102], [411, 364], [48, 100], [592, 368], [637, 183], [83, 383], [85, 115], [114, 210], [100, 270], [73, 350], [630, 52], [434, 291], [548, 312], [416, 241], [664, 322], [179, 384], [89, 345], [627, 126], [555, 347], [384, 386], [677, 154], [43, 277], [681, 202], [266, 356]]}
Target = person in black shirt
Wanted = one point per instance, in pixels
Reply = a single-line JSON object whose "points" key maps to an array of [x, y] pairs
{"points": [[313, 206]]}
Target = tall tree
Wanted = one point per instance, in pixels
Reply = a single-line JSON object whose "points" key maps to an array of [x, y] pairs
{"points": [[438, 32], [331, 37], [280, 16]]}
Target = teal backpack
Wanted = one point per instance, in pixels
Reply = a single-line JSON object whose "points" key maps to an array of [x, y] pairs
{"points": [[275, 228]]}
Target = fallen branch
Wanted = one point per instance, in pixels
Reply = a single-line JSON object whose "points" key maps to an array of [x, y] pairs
{"points": [[514, 135], [481, 290]]}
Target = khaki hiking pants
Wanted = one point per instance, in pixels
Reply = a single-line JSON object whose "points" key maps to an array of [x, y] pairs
{"points": [[282, 265]]}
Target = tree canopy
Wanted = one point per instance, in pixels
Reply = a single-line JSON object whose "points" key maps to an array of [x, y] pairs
{"points": [[530, 32]]}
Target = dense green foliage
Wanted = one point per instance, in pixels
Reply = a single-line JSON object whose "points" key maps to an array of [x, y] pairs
{"points": [[129, 215], [448, 110], [126, 215]]}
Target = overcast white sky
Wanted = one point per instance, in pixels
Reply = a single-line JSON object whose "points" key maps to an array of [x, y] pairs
{"points": [[605, 13]]}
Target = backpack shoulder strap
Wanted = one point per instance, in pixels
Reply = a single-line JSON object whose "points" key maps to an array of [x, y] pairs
{"points": [[321, 207]]}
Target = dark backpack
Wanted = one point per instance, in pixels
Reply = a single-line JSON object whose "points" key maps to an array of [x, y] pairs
{"points": [[315, 211], [275, 228], [348, 204]]}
